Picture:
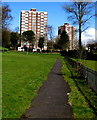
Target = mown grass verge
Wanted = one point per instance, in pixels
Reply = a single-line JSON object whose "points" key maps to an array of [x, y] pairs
{"points": [[80, 106], [22, 76], [0, 85], [88, 63]]}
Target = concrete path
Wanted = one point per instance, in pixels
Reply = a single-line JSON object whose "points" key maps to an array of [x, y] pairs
{"points": [[52, 99]]}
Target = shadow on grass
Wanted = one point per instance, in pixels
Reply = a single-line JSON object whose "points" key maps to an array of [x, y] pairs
{"points": [[76, 77], [83, 87]]}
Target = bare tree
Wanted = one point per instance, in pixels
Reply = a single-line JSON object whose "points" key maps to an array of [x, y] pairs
{"points": [[80, 13], [16, 29], [6, 16], [50, 33]]}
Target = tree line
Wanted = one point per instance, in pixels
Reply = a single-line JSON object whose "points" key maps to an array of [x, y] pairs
{"points": [[9, 38], [12, 39]]}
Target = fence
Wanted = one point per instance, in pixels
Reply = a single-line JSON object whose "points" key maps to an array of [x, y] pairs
{"points": [[89, 75]]}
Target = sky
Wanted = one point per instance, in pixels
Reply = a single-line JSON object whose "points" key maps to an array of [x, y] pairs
{"points": [[56, 14]]}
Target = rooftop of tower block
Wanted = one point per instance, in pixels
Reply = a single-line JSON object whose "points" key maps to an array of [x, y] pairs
{"points": [[33, 9]]}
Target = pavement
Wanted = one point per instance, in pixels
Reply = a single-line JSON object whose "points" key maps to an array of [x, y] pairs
{"points": [[52, 98]]}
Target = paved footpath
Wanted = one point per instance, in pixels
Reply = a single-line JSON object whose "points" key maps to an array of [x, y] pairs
{"points": [[52, 99]]}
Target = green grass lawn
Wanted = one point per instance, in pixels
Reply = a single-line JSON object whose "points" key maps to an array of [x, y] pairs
{"points": [[88, 63], [22, 77], [0, 85]]}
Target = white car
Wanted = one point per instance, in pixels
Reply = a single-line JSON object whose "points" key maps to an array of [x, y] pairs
{"points": [[20, 49]]}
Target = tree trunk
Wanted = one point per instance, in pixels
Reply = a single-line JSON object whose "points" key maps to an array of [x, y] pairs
{"points": [[80, 46], [79, 16]]}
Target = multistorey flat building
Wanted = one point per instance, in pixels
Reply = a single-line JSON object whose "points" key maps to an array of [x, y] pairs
{"points": [[35, 21], [71, 31]]}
